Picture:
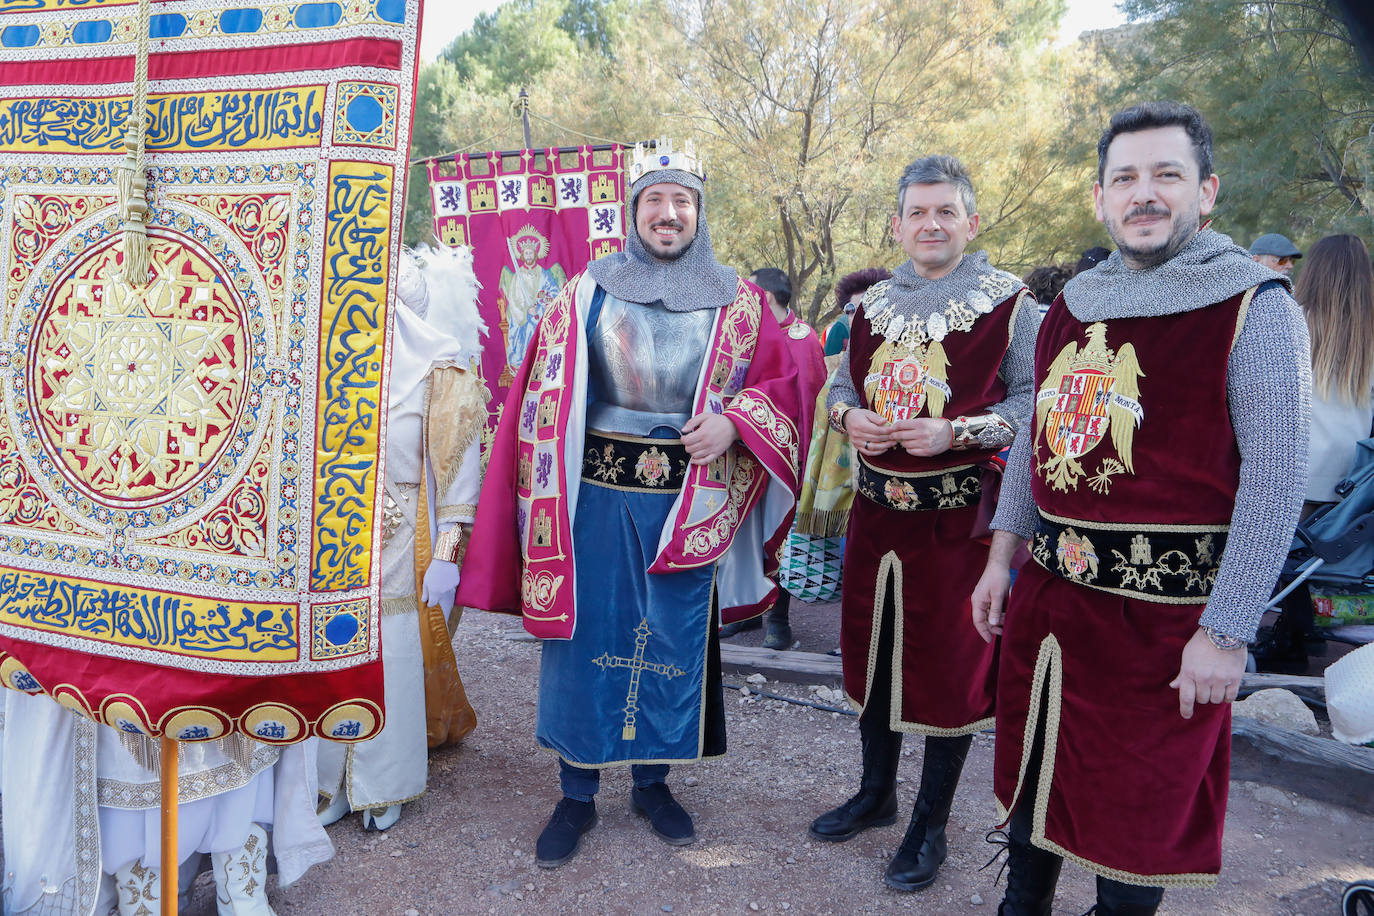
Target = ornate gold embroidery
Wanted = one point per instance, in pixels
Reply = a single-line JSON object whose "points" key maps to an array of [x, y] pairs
{"points": [[653, 467], [637, 666], [1084, 394], [779, 429], [605, 464], [901, 381], [706, 538], [1077, 558]]}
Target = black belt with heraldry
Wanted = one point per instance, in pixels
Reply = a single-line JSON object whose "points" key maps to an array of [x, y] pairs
{"points": [[950, 488], [1173, 564], [634, 463]]}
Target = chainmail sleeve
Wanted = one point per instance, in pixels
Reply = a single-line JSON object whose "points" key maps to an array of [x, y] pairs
{"points": [[1018, 365], [1268, 387], [842, 386], [1015, 506]]}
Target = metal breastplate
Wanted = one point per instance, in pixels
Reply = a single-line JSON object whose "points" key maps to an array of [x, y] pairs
{"points": [[645, 362]]}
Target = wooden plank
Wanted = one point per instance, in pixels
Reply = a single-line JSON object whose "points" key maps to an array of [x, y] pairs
{"points": [[1311, 687], [791, 665], [1320, 768]]}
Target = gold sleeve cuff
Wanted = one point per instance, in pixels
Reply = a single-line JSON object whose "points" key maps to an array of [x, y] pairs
{"points": [[449, 545], [837, 412], [985, 431]]}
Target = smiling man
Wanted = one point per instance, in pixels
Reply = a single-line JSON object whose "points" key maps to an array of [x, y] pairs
{"points": [[1159, 485], [643, 476], [936, 381]]}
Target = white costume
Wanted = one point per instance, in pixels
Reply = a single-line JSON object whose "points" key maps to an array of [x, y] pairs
{"points": [[436, 408]]}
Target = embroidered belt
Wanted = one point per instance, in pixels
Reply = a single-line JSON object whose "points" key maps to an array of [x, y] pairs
{"points": [[952, 488], [1173, 564], [634, 463]]}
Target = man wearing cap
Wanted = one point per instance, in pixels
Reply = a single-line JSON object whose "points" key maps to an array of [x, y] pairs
{"points": [[1158, 483], [643, 476], [936, 380], [1275, 252]]}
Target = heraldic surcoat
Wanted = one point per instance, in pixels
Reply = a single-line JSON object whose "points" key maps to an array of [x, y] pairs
{"points": [[913, 537], [615, 549], [1135, 473]]}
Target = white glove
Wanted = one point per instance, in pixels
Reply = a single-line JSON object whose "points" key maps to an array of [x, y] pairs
{"points": [[441, 582]]}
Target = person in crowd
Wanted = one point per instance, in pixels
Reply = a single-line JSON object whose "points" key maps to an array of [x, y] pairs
{"points": [[1046, 281], [1158, 484], [1275, 252], [936, 381], [644, 474]]}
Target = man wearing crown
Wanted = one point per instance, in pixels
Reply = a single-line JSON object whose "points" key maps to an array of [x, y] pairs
{"points": [[934, 384], [1158, 484], [642, 479]]}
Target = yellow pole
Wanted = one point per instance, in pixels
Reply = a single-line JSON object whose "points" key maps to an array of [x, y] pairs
{"points": [[170, 884]]}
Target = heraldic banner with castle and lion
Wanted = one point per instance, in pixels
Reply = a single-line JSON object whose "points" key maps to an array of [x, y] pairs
{"points": [[189, 468], [533, 218]]}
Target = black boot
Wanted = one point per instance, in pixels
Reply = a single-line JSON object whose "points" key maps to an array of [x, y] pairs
{"points": [[779, 635], [924, 848], [875, 805], [1117, 899], [1032, 872]]}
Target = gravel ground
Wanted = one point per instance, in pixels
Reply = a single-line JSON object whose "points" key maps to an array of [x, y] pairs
{"points": [[467, 846]]}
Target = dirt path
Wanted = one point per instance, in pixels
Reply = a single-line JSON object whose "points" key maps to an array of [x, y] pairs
{"points": [[467, 846]]}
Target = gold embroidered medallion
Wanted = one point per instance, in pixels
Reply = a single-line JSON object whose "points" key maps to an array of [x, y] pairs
{"points": [[902, 381], [653, 467], [1077, 557], [1086, 394]]}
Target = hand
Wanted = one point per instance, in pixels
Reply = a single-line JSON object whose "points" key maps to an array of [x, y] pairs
{"points": [[707, 435], [440, 584], [870, 433], [924, 436], [1207, 674], [990, 600]]}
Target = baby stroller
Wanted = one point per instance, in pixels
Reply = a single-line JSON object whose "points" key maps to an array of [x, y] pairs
{"points": [[1333, 552]]}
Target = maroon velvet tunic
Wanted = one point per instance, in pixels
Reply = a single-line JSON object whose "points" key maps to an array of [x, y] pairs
{"points": [[944, 681], [1135, 472]]}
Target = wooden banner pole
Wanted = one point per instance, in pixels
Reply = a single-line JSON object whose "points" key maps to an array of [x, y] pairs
{"points": [[170, 872]]}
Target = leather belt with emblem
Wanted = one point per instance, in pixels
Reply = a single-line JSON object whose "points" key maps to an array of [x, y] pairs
{"points": [[1169, 564], [634, 463], [952, 488]]}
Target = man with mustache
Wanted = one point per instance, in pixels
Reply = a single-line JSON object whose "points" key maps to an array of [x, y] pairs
{"points": [[1159, 485], [935, 382], [643, 476]]}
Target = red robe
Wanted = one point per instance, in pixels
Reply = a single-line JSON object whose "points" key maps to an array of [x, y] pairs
{"points": [[520, 560]]}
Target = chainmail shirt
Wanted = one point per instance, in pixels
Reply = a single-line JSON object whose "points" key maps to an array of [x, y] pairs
{"points": [[1268, 384], [915, 297], [694, 281]]}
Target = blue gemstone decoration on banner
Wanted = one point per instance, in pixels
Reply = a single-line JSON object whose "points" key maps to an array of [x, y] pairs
{"points": [[19, 36], [239, 21], [97, 31], [318, 15], [364, 114], [391, 10], [166, 25], [341, 629]]}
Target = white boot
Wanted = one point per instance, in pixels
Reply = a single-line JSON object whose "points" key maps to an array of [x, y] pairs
{"points": [[336, 809], [241, 878], [140, 890], [381, 818]]}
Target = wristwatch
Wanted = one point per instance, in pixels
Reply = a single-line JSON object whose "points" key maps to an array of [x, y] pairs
{"points": [[1222, 641]]}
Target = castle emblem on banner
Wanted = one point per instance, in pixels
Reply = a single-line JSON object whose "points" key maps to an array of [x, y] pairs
{"points": [[900, 381], [1087, 394]]}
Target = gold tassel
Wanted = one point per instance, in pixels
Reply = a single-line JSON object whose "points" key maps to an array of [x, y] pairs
{"points": [[133, 202]]}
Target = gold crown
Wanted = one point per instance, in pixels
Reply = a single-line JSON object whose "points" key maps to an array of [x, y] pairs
{"points": [[662, 156]]}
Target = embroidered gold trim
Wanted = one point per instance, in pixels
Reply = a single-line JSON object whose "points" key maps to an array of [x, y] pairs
{"points": [[1241, 315], [777, 428], [1134, 526], [115, 793]]}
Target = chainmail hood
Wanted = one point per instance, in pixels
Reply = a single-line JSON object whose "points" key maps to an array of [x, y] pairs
{"points": [[915, 296], [1211, 268], [694, 281]]}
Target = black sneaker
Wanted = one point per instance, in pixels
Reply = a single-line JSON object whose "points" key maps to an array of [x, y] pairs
{"points": [[563, 834], [669, 821]]}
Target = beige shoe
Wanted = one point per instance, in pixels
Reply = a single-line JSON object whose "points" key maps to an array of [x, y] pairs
{"points": [[140, 890], [241, 878]]}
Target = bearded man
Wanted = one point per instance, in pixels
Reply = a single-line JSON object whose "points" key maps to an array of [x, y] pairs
{"points": [[643, 475], [1159, 486], [936, 381]]}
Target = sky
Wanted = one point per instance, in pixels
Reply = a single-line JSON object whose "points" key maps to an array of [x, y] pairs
{"points": [[445, 20]]}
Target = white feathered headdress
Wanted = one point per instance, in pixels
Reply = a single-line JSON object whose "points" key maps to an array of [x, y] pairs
{"points": [[452, 295]]}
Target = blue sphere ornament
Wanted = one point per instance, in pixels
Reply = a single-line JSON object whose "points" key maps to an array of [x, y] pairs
{"points": [[662, 160]]}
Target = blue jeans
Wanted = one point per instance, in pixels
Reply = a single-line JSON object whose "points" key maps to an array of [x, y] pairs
{"points": [[581, 783]]}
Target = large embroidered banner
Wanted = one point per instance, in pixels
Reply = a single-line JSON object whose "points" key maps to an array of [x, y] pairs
{"points": [[189, 466], [533, 219]]}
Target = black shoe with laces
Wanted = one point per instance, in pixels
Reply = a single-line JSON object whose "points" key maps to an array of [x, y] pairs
{"points": [[669, 821], [563, 834]]}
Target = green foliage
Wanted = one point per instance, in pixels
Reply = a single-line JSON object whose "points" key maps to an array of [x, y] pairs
{"points": [[1281, 84]]}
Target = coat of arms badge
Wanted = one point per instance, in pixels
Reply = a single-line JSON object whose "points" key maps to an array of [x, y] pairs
{"points": [[900, 382]]}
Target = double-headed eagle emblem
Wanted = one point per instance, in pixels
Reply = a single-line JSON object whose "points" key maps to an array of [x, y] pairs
{"points": [[1085, 394]]}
